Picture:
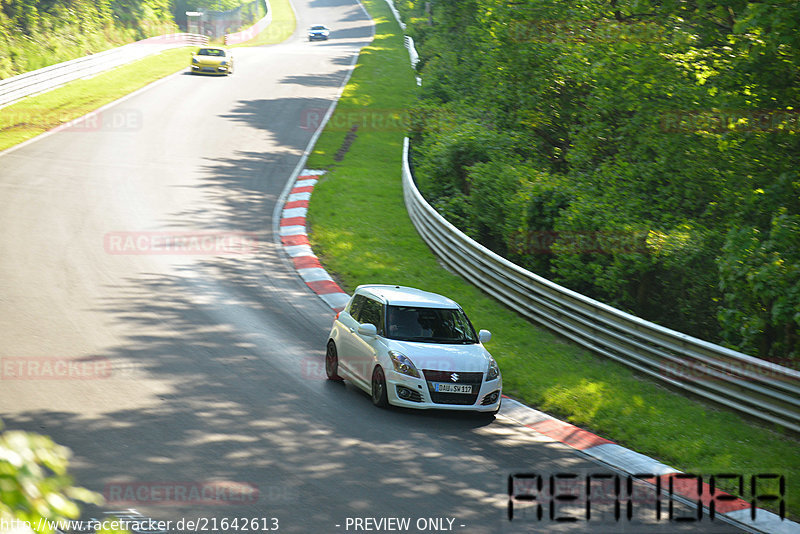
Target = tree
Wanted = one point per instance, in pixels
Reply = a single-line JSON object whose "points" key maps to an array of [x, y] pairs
{"points": [[760, 275]]}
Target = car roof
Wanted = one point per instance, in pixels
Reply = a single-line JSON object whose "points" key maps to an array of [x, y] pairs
{"points": [[407, 296]]}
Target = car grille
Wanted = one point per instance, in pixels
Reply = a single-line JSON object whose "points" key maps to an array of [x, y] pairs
{"points": [[475, 379]]}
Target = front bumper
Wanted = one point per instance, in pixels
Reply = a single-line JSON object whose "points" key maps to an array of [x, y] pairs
{"points": [[317, 37], [409, 392], [211, 69]]}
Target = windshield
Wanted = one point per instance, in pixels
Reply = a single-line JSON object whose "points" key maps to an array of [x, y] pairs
{"points": [[429, 325], [211, 52], [318, 28]]}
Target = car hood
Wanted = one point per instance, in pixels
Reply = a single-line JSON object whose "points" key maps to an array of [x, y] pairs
{"points": [[440, 357], [318, 32]]}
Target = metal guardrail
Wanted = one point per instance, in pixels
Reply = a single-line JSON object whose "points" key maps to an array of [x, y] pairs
{"points": [[38, 81], [413, 56], [746, 384], [396, 14]]}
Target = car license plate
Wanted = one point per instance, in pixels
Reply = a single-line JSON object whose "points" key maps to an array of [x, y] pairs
{"points": [[444, 387]]}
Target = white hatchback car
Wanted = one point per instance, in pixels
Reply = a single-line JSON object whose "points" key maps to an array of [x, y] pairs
{"points": [[318, 32], [412, 348]]}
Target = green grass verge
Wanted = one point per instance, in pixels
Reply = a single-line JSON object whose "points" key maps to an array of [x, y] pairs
{"points": [[35, 115], [281, 28], [361, 231]]}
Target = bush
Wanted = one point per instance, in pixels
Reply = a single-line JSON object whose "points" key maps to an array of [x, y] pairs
{"points": [[34, 485]]}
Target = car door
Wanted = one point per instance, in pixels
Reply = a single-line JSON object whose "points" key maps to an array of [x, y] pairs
{"points": [[365, 347], [346, 343]]}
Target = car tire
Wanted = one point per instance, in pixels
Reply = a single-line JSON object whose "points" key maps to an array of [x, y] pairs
{"points": [[379, 395], [486, 417], [332, 363], [490, 416]]}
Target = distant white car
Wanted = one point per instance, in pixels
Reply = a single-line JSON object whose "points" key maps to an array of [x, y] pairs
{"points": [[318, 32], [412, 348]]}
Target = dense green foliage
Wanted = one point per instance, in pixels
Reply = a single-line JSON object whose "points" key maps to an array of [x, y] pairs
{"points": [[38, 33], [34, 484], [643, 152]]}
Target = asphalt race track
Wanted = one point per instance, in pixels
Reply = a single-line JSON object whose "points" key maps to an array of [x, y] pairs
{"points": [[191, 385]]}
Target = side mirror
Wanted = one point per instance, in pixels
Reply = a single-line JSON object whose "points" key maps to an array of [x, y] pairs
{"points": [[366, 329], [484, 336]]}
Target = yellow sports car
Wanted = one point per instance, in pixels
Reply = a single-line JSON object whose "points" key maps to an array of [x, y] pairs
{"points": [[212, 60]]}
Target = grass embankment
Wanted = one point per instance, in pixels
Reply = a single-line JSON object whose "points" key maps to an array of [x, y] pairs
{"points": [[282, 25], [35, 115], [361, 231]]}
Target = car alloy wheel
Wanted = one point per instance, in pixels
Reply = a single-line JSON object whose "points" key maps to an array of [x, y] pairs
{"points": [[332, 363], [379, 397]]}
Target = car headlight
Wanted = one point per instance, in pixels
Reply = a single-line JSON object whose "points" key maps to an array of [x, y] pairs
{"points": [[223, 63], [194, 60], [493, 372], [402, 364]]}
